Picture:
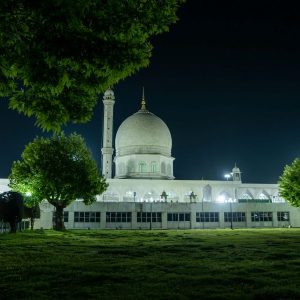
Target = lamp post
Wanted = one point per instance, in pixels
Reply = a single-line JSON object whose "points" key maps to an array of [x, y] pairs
{"points": [[231, 216], [227, 176], [134, 195], [202, 213], [151, 215]]}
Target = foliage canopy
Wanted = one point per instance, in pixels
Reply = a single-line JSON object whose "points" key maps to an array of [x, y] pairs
{"points": [[59, 169], [57, 55], [289, 183], [11, 209]]}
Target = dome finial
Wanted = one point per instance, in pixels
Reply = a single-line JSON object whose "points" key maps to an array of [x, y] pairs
{"points": [[143, 103]]}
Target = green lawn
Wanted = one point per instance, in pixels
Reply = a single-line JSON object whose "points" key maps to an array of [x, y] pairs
{"points": [[193, 264]]}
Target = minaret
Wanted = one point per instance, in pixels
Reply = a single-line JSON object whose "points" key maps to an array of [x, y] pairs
{"points": [[107, 147], [236, 174]]}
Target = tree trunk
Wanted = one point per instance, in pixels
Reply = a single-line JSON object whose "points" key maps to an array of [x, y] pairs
{"points": [[31, 223], [13, 226], [59, 218]]}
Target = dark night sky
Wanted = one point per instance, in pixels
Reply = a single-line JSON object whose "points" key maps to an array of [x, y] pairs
{"points": [[225, 79]]}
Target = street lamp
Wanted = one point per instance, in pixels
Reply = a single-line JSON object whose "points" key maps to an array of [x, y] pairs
{"points": [[231, 216], [227, 176], [202, 213], [151, 215]]}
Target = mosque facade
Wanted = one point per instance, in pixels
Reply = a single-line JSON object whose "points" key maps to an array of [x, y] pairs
{"points": [[144, 194]]}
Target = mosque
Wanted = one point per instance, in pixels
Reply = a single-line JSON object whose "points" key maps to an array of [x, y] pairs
{"points": [[144, 194]]}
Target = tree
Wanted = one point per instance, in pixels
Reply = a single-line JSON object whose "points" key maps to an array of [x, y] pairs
{"points": [[289, 183], [59, 169], [57, 55], [32, 213], [11, 209]]}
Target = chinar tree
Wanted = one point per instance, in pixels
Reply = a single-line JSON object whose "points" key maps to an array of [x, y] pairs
{"points": [[289, 183], [58, 55], [59, 169]]}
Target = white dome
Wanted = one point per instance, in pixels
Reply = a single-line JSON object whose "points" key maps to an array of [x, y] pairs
{"points": [[109, 93], [143, 133]]}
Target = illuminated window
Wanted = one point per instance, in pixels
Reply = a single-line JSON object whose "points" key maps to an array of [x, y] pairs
{"points": [[283, 216], [234, 216], [147, 217], [86, 216], [174, 217], [207, 217], [259, 216], [118, 217]]}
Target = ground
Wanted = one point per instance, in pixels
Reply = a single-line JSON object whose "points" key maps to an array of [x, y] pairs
{"points": [[112, 264]]}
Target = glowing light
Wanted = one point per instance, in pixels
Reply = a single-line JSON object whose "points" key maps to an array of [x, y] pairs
{"points": [[227, 176], [28, 194], [221, 199]]}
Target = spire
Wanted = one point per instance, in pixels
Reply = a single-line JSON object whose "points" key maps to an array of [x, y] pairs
{"points": [[143, 103]]}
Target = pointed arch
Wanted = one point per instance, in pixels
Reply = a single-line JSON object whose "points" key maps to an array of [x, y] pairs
{"points": [[264, 195], [247, 195], [207, 193]]}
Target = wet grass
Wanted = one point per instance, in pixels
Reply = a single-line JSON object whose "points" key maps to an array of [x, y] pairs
{"points": [[194, 264]]}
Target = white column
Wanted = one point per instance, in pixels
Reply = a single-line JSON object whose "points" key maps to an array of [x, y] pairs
{"points": [[107, 149]]}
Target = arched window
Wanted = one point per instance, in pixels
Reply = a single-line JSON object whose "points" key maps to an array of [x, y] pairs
{"points": [[246, 196], [142, 167], [207, 193], [153, 167], [263, 196]]}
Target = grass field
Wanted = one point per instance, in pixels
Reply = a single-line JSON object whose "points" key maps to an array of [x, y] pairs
{"points": [[193, 264]]}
